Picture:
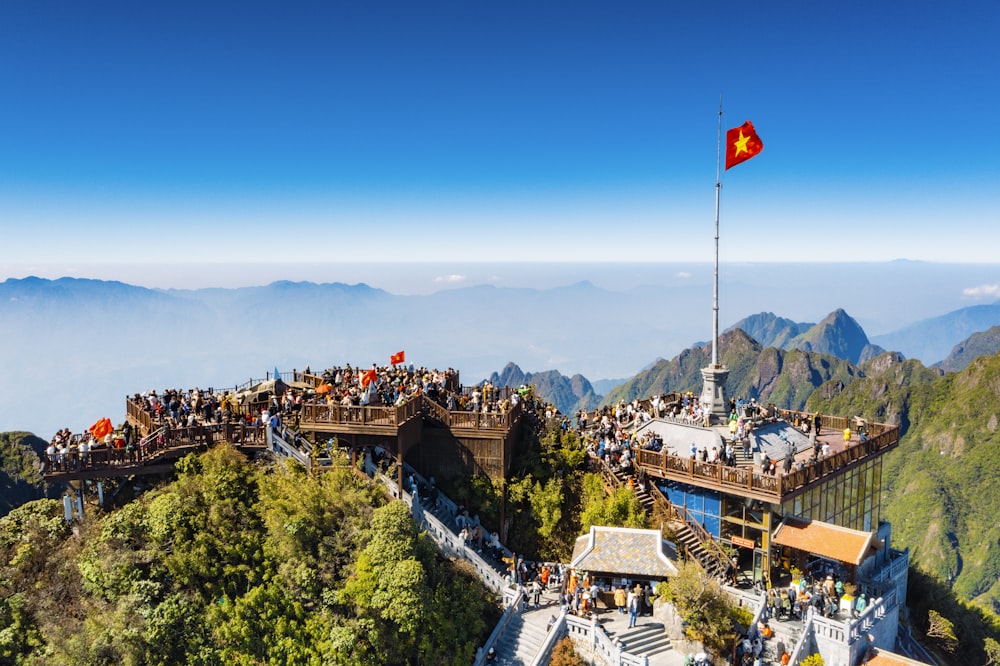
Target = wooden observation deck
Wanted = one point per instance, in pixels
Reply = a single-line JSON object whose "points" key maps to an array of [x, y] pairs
{"points": [[750, 482], [433, 436]]}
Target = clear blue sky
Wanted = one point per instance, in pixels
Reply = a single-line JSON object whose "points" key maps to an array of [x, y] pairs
{"points": [[164, 132]]}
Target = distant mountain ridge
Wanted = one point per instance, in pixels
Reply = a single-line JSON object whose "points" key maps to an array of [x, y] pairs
{"points": [[568, 394], [770, 330], [985, 343], [932, 340], [838, 334], [96, 341]]}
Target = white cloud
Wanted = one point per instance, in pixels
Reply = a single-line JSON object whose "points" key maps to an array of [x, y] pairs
{"points": [[684, 275], [449, 279], [982, 291]]}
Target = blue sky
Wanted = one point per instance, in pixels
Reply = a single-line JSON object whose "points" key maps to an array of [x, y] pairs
{"points": [[153, 134]]}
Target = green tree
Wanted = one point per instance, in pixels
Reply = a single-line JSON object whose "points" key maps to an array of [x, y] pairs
{"points": [[19, 634], [992, 649], [214, 544], [704, 607], [619, 509], [942, 631], [388, 585]]}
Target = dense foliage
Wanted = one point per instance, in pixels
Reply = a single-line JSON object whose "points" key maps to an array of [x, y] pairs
{"points": [[551, 498], [20, 480], [940, 488], [709, 615], [236, 564]]}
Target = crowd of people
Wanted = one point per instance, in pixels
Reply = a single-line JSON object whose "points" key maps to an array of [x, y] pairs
{"points": [[68, 452], [175, 411]]}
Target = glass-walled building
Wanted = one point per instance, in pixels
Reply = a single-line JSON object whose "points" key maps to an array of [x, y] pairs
{"points": [[741, 506]]}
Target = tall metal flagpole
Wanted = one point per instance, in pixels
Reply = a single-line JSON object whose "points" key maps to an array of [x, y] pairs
{"points": [[713, 392], [715, 289]]}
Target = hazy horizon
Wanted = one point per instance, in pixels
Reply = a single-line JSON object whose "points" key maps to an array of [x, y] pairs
{"points": [[882, 296], [474, 317]]}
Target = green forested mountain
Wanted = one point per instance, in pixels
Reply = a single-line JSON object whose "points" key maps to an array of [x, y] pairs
{"points": [[838, 334], [770, 330], [942, 485], [233, 563], [20, 480], [786, 378]]}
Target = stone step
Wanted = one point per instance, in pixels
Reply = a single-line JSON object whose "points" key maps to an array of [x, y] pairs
{"points": [[645, 639]]}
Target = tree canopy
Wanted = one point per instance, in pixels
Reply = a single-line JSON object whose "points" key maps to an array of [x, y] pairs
{"points": [[234, 563]]}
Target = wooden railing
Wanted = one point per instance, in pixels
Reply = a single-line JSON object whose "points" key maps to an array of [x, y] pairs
{"points": [[745, 480], [138, 413], [154, 446], [316, 413], [336, 414]]}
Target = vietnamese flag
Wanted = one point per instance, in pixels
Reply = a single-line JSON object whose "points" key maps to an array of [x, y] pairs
{"points": [[397, 358], [367, 377], [742, 143], [101, 428]]}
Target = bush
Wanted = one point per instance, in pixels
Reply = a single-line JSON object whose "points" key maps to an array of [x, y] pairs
{"points": [[564, 654]]}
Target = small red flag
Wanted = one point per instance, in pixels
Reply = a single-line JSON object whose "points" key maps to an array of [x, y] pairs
{"points": [[397, 358], [101, 428], [367, 377], [742, 143]]}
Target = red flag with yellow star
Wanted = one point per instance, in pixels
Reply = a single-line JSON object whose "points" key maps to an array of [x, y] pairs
{"points": [[742, 143]]}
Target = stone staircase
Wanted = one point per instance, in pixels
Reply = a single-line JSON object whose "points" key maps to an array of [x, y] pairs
{"points": [[644, 640], [519, 643], [787, 631]]}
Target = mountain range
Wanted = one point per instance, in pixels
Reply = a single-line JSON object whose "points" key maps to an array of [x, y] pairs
{"points": [[75, 347], [69, 340]]}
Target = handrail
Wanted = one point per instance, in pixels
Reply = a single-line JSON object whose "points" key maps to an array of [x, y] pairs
{"points": [[316, 412], [510, 611], [154, 445], [555, 632], [439, 411], [276, 442], [680, 513], [711, 546], [743, 480], [589, 631], [334, 413]]}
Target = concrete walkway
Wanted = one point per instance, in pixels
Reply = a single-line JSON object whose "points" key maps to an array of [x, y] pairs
{"points": [[646, 638]]}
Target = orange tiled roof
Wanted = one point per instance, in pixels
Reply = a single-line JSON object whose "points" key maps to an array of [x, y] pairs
{"points": [[883, 658], [830, 541]]}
